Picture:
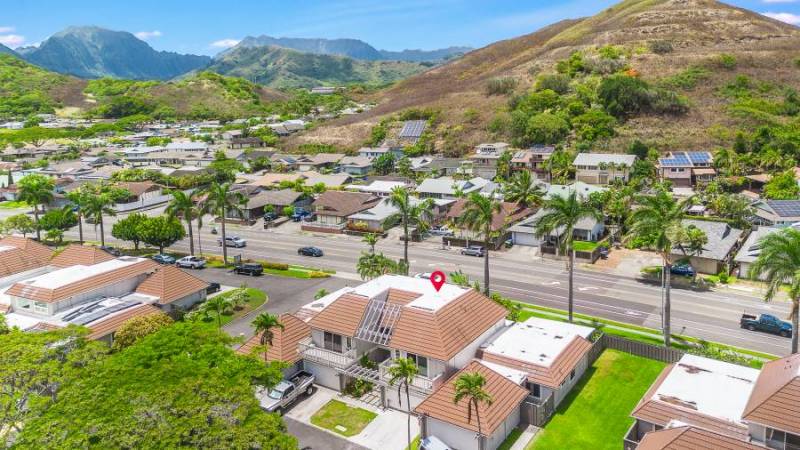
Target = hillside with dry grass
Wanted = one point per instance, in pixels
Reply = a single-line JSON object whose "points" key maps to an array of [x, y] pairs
{"points": [[698, 48]]}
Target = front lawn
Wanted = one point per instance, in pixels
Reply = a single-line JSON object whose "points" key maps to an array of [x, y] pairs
{"points": [[342, 418], [14, 205], [596, 413], [584, 246]]}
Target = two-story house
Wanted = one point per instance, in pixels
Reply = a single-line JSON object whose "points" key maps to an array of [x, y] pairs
{"points": [[534, 160], [686, 169], [602, 168], [484, 160]]}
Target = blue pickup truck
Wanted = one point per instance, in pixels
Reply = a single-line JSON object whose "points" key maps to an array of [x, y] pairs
{"points": [[766, 323]]}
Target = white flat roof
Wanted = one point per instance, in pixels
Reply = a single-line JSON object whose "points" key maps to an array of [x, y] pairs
{"points": [[517, 376], [74, 274], [712, 387], [536, 341], [429, 299]]}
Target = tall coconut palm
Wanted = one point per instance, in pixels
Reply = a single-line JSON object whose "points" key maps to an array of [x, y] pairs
{"points": [[470, 386], [779, 263], [79, 200], [524, 190], [560, 216], [658, 221], [220, 200], [97, 205], [265, 323], [182, 205], [410, 213], [36, 189], [478, 216], [402, 373]]}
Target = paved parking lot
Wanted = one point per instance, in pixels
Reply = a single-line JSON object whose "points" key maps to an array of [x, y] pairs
{"points": [[286, 295]]}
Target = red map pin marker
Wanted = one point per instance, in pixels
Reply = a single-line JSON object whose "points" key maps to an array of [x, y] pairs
{"points": [[437, 279]]}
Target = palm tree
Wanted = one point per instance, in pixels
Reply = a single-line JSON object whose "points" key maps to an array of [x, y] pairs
{"points": [[478, 215], [410, 213], [779, 262], [36, 189], [219, 305], [98, 204], [560, 216], [79, 200], [219, 201], [370, 239], [402, 373], [470, 386], [183, 205], [264, 323], [658, 219], [560, 165], [373, 265], [524, 190]]}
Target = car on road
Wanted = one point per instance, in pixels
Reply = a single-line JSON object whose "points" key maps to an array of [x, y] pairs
{"points": [[474, 250], [441, 231], [233, 241], [252, 269], [164, 259], [213, 287], [286, 392], [682, 269], [111, 250], [766, 323], [191, 262], [310, 251]]}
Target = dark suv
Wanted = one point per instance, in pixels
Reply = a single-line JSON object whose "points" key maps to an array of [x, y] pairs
{"points": [[252, 269]]}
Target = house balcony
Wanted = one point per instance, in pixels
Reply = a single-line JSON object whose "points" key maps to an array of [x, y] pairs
{"points": [[421, 383], [330, 358]]}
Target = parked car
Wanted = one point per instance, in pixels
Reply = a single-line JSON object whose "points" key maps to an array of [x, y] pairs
{"points": [[441, 231], [111, 250], [191, 262], [252, 269], [300, 214], [233, 241], [286, 392], [682, 269], [766, 323], [474, 250], [164, 259], [424, 275], [213, 287], [310, 251], [604, 252], [270, 216]]}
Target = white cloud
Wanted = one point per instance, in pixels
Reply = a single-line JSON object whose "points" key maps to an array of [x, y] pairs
{"points": [[145, 35], [789, 18], [7, 29], [225, 43], [12, 40]]}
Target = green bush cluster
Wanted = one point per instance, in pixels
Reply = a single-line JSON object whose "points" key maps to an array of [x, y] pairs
{"points": [[274, 265], [501, 86]]}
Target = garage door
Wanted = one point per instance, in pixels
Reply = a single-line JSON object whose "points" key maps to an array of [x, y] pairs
{"points": [[525, 239], [325, 376]]}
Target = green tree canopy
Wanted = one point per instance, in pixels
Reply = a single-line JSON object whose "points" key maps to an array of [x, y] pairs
{"points": [[137, 328], [130, 228], [162, 231], [782, 186]]}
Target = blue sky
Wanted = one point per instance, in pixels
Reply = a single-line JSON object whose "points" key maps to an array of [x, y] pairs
{"points": [[206, 27]]}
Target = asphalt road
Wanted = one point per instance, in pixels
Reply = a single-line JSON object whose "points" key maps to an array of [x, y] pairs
{"points": [[709, 315]]}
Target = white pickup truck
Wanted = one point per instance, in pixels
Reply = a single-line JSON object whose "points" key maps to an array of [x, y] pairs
{"points": [[286, 392]]}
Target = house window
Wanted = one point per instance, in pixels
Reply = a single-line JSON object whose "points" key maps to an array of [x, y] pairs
{"points": [[775, 438], [421, 362], [792, 441], [333, 342], [535, 389], [25, 304], [40, 307], [572, 375]]}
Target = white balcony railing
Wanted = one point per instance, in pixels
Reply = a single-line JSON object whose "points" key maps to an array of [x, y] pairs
{"points": [[422, 383], [326, 357]]}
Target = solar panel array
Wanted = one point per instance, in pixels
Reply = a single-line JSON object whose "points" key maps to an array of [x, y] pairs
{"points": [[699, 157], [785, 208], [99, 314], [686, 159], [413, 129]]}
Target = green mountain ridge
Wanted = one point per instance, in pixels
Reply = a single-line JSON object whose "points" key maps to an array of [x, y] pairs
{"points": [[285, 68], [93, 52]]}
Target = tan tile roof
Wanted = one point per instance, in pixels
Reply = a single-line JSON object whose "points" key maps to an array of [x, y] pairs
{"points": [[691, 438], [445, 332], [506, 397], [137, 188], [4, 308], [269, 179], [401, 297], [553, 375], [510, 213], [170, 283], [343, 204], [342, 316], [43, 326], [284, 342], [75, 254], [775, 400], [112, 324], [46, 295], [662, 413], [25, 255]]}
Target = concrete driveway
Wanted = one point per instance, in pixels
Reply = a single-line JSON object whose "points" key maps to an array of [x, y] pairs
{"points": [[286, 295]]}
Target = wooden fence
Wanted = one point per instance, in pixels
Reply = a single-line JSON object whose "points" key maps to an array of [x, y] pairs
{"points": [[664, 354]]}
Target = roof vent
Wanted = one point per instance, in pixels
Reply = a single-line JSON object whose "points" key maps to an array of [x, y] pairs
{"points": [[558, 337]]}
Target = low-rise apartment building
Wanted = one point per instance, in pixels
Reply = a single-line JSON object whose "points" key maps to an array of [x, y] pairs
{"points": [[602, 168]]}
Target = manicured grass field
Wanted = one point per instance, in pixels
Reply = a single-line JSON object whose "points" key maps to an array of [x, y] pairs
{"points": [[596, 413], [336, 413]]}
